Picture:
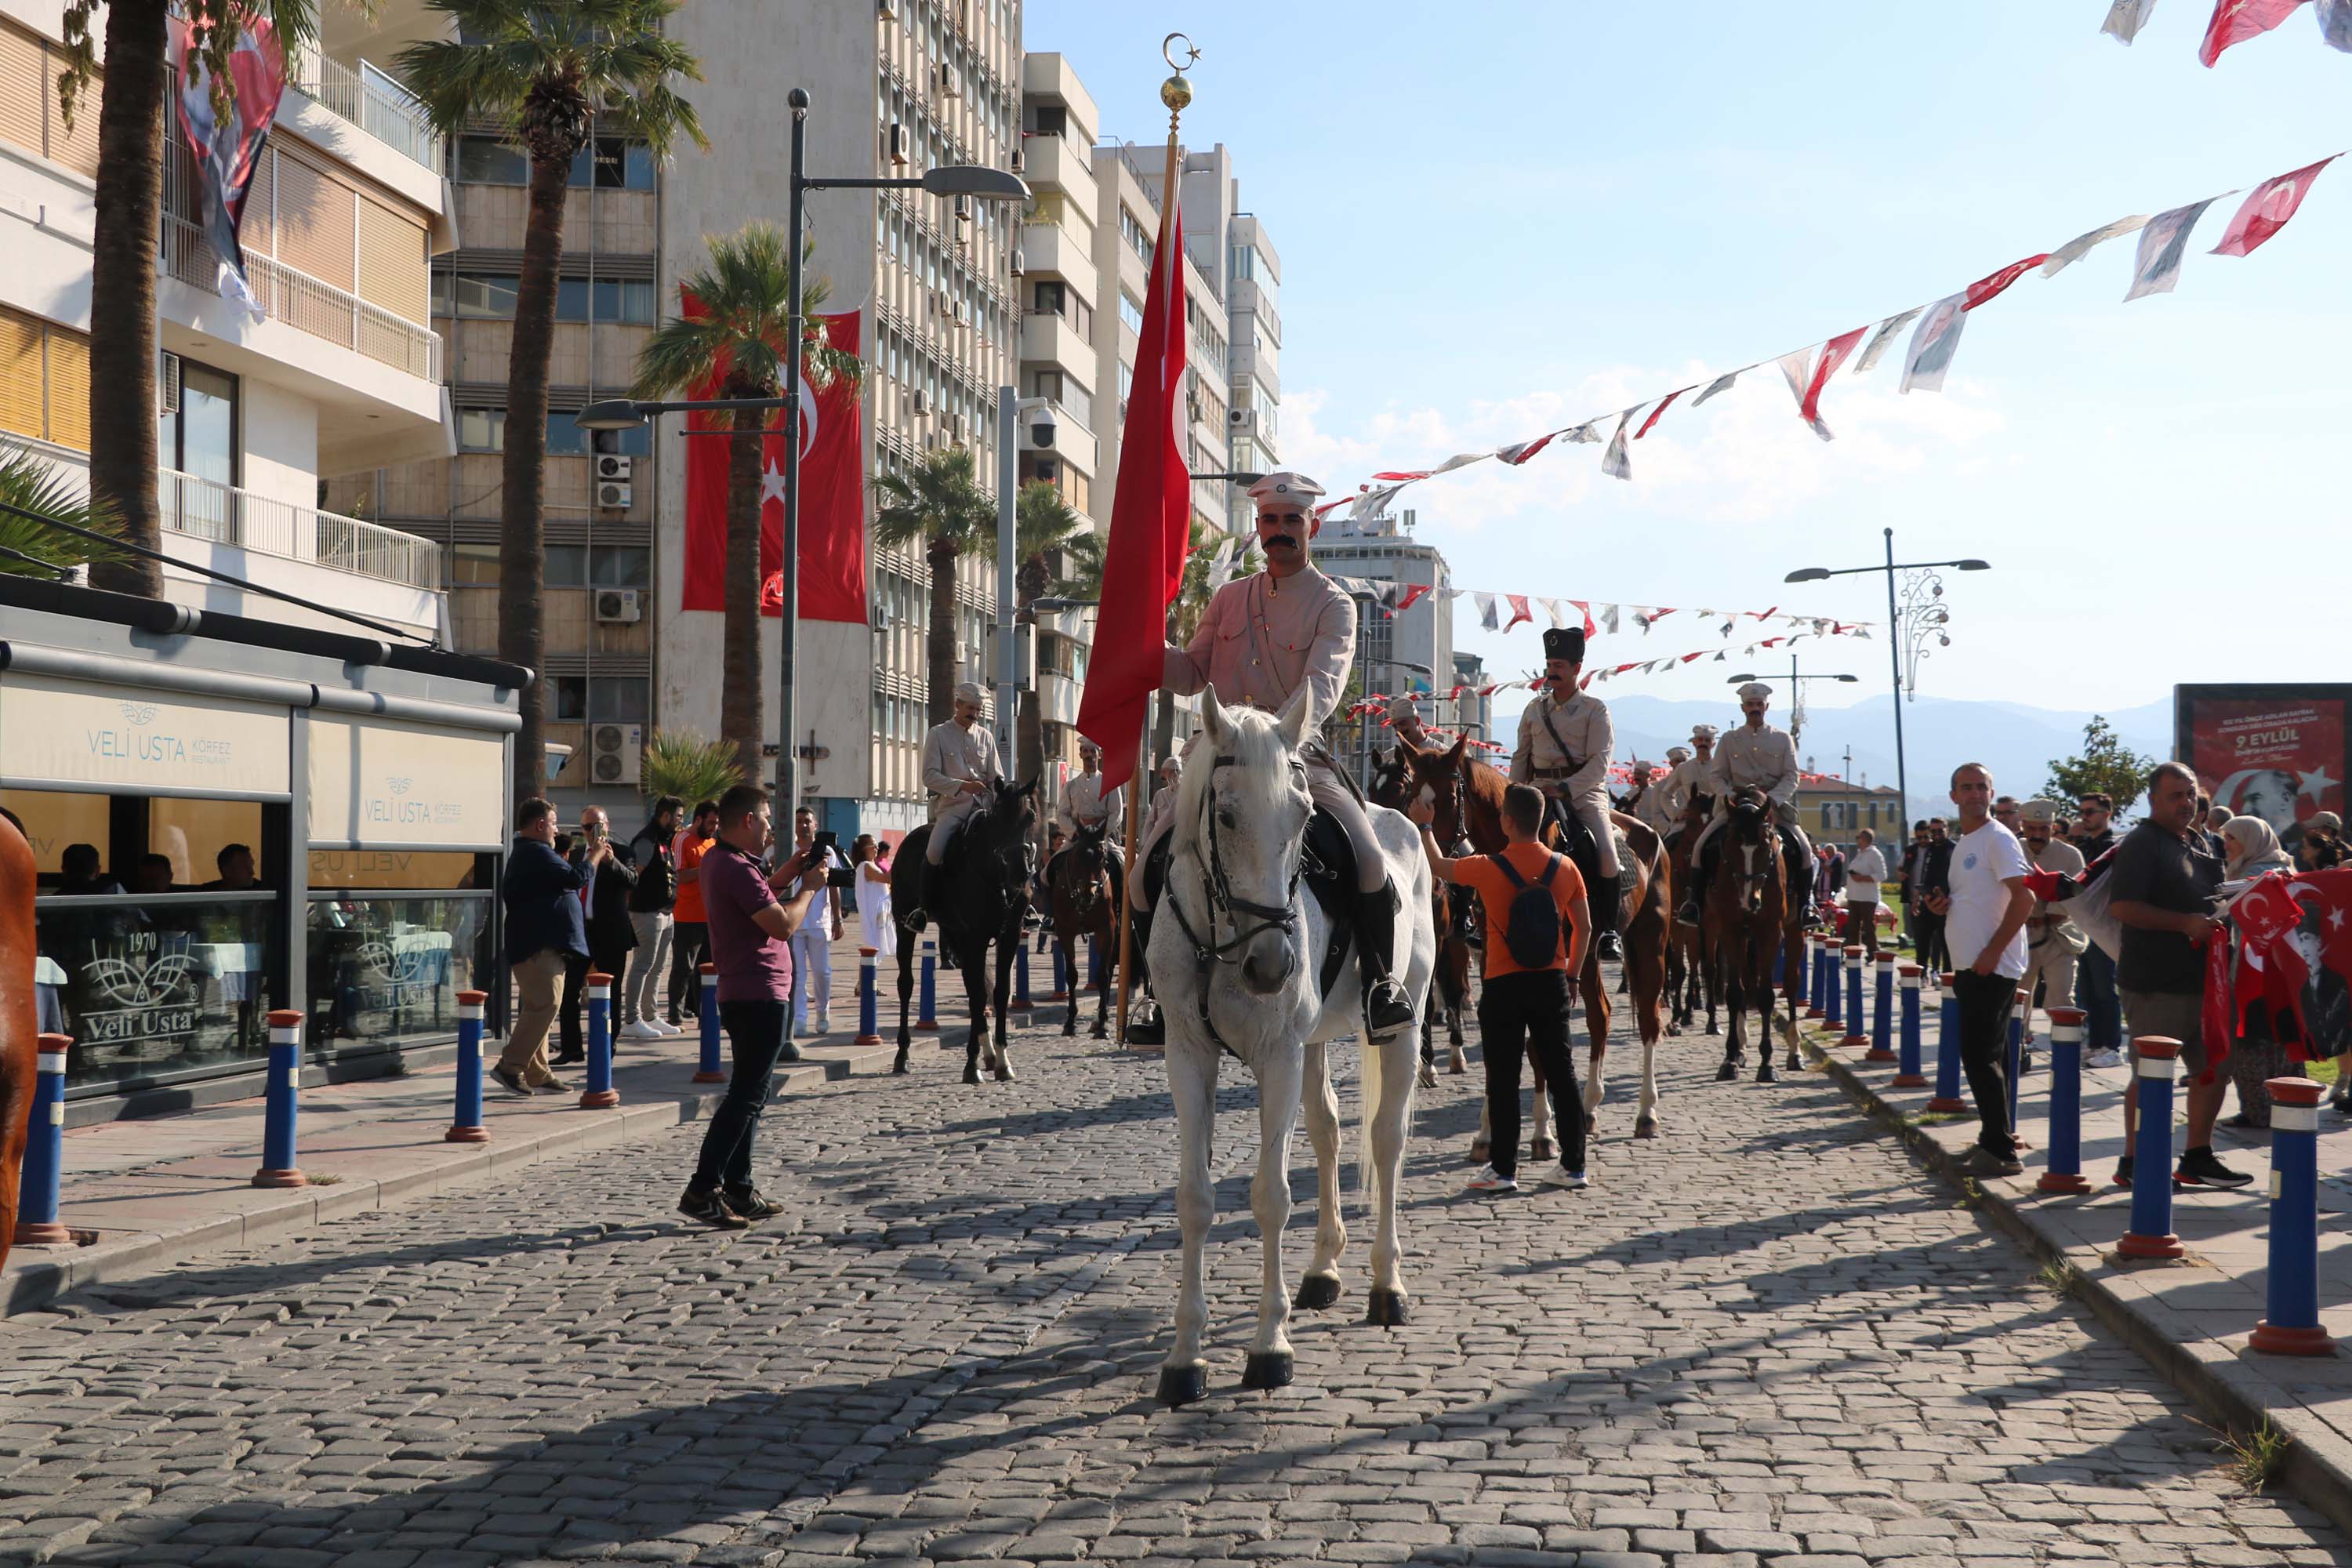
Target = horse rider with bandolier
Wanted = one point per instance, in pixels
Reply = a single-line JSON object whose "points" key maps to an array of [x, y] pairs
{"points": [[960, 770], [1755, 754], [1565, 738], [1262, 637]]}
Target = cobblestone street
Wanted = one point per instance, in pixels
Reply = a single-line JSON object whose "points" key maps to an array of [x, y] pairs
{"points": [[1765, 1337]]}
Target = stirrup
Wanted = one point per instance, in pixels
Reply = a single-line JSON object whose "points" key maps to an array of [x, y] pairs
{"points": [[1688, 914], [1387, 1009], [1609, 947]]}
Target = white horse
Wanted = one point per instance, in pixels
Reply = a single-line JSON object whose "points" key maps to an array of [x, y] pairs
{"points": [[1236, 952]]}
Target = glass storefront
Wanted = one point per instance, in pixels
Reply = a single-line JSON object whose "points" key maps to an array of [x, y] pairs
{"points": [[385, 967], [157, 986]]}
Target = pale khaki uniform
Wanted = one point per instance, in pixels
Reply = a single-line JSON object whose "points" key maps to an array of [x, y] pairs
{"points": [[953, 754], [2052, 942], [1652, 807], [1691, 776], [1765, 758], [1085, 803], [1577, 775]]}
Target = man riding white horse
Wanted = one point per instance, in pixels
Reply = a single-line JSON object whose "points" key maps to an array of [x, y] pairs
{"points": [[1565, 738], [1757, 754], [1261, 638]]}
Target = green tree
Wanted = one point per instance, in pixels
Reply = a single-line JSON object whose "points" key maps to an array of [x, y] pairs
{"points": [[547, 72], [1048, 527], [689, 767], [126, 234], [746, 298], [938, 504], [2104, 766], [27, 549]]}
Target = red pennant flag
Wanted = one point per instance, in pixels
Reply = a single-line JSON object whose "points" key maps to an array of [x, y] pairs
{"points": [[1663, 405], [2266, 211], [1590, 630], [1688, 656], [1413, 593], [1150, 521], [1519, 611], [1833, 355], [1992, 285], [1416, 474], [833, 497], [2235, 21], [1519, 452]]}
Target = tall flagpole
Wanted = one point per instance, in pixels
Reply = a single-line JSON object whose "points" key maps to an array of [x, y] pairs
{"points": [[1126, 895]]}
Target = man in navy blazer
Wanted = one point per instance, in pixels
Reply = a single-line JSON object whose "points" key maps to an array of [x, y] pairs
{"points": [[545, 931]]}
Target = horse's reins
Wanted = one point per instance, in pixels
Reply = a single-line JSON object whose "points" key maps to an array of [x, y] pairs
{"points": [[1222, 901]]}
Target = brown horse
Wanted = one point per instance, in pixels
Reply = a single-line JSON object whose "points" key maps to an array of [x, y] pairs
{"points": [[1468, 798], [1689, 977], [1745, 918], [1085, 903], [19, 1023], [1454, 911]]}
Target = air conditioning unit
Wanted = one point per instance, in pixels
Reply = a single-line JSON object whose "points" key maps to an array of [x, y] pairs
{"points": [[611, 466], [1020, 262], [958, 427], [613, 496], [620, 606], [922, 403], [167, 382], [617, 752], [1017, 159], [963, 209], [1242, 419], [950, 81], [887, 9], [896, 142]]}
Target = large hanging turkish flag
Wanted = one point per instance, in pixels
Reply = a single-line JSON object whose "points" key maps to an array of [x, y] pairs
{"points": [[833, 497]]}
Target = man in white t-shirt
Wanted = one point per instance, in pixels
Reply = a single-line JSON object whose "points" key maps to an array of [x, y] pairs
{"points": [[1865, 872], [1984, 927]]}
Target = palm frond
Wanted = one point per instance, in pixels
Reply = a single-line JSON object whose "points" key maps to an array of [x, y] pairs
{"points": [[689, 767], [938, 503], [30, 549]]}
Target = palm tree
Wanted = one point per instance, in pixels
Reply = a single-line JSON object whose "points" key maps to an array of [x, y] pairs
{"points": [[126, 234], [29, 550], [746, 299], [940, 503], [689, 767], [1046, 524], [544, 71], [1184, 615]]}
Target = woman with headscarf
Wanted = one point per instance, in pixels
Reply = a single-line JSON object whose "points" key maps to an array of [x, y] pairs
{"points": [[2253, 850]]}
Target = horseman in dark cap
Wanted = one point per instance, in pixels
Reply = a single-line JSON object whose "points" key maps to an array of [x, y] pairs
{"points": [[1565, 738]]}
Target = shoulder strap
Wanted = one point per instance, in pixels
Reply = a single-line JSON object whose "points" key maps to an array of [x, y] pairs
{"points": [[1502, 860], [1552, 868], [1572, 760]]}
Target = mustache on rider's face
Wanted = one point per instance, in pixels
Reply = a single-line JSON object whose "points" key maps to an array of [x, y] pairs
{"points": [[1280, 541]]}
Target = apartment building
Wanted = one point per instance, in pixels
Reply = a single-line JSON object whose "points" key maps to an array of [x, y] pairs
{"points": [[343, 372], [1396, 649]]}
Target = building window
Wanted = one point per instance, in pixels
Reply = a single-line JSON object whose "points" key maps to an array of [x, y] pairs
{"points": [[488, 160], [481, 429], [485, 296], [1138, 238], [201, 438], [602, 567], [1130, 312], [473, 565], [613, 163], [602, 699], [627, 300]]}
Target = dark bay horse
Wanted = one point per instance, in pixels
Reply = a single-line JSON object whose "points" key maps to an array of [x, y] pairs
{"points": [[1689, 977], [1745, 918], [1455, 912], [1085, 903], [1468, 797], [979, 894], [19, 1023]]}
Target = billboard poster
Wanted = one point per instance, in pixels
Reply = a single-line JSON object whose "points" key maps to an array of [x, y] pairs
{"points": [[2273, 752]]}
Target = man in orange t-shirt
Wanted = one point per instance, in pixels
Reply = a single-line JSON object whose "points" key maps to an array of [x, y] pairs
{"points": [[1521, 1004], [690, 927]]}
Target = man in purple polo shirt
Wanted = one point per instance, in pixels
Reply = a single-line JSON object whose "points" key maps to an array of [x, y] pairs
{"points": [[750, 942]]}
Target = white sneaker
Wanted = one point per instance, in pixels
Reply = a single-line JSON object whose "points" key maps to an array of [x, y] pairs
{"points": [[640, 1030], [661, 1029], [1490, 1180], [1562, 1177], [825, 1023], [2106, 1058]]}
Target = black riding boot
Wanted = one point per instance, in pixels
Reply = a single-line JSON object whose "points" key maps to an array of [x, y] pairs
{"points": [[1151, 1031], [1386, 1009], [1701, 866], [1600, 901]]}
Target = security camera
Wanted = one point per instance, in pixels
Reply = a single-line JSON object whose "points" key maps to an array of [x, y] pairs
{"points": [[1041, 427]]}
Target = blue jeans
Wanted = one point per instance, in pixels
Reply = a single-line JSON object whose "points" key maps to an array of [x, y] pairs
{"points": [[755, 1031], [2103, 1007]]}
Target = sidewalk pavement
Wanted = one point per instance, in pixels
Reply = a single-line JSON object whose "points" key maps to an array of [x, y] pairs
{"points": [[2191, 1317], [140, 1195]]}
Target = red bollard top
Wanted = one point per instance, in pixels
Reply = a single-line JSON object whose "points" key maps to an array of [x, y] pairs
{"points": [[598, 977], [708, 968], [285, 1017], [2060, 1016], [1948, 980], [472, 998], [2296, 1090], [56, 1042], [1910, 971], [2164, 1048], [2025, 998], [1854, 950], [1887, 959]]}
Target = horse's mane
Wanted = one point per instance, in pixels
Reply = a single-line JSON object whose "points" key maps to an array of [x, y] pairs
{"points": [[1255, 746]]}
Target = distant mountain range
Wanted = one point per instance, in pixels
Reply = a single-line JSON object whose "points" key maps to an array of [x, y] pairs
{"points": [[2017, 743]]}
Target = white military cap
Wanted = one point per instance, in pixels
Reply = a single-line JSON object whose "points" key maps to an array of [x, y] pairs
{"points": [[1086, 746], [1755, 691], [1285, 488], [1678, 754], [1703, 731], [968, 691], [2037, 810], [1401, 705]]}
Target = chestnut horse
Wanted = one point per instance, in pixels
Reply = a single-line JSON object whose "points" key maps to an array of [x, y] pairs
{"points": [[1688, 976], [1747, 917], [1085, 903], [1468, 797], [19, 1023]]}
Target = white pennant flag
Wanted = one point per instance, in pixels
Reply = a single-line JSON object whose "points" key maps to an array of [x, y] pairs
{"points": [[2335, 24], [1388, 594], [2162, 244], [2126, 18], [1797, 367], [1551, 608], [1486, 616], [1221, 565], [1608, 617], [1459, 459], [1583, 435], [1933, 343], [1720, 384], [1883, 339], [1613, 461], [2079, 247]]}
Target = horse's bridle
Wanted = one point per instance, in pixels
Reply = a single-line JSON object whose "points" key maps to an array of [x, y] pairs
{"points": [[1224, 902]]}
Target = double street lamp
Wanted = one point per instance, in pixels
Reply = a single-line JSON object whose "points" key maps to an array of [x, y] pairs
{"points": [[974, 181], [1796, 691], [1920, 616]]}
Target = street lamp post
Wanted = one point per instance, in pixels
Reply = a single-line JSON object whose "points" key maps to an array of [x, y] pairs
{"points": [[1921, 590]]}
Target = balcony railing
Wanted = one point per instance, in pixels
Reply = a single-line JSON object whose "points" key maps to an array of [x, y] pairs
{"points": [[301, 300], [206, 508], [374, 102]]}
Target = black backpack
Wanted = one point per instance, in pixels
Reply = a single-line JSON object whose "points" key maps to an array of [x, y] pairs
{"points": [[1531, 926]]}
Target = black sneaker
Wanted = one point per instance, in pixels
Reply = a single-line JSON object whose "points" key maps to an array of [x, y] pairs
{"points": [[511, 1080], [2123, 1171], [791, 1053], [752, 1205], [710, 1209], [2200, 1168]]}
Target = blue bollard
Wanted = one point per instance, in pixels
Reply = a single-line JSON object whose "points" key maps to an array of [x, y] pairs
{"points": [[2292, 1327], [1882, 1015], [2065, 1171], [1061, 991], [1823, 991], [869, 1028], [927, 1021], [1947, 1098], [1021, 1003], [278, 1167], [2013, 1058], [466, 1126], [2151, 1206], [41, 1189], [1094, 963], [1908, 1073], [1853, 1020], [1832, 992], [600, 1094], [711, 1067]]}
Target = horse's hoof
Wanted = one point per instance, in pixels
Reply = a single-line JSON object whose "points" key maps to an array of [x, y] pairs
{"points": [[1457, 1063], [972, 1072], [898, 1063], [1269, 1369], [1479, 1149], [1714, 1028], [1385, 1309], [1764, 1073], [1099, 1032], [1003, 1071], [1315, 1292], [1182, 1385], [1645, 1127], [1540, 1148], [1428, 1075], [1794, 1063], [1674, 1029], [1726, 1072]]}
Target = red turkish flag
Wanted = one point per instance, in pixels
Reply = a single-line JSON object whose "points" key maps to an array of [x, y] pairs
{"points": [[1519, 611], [1150, 520], [1414, 592], [1992, 286], [833, 497], [1833, 355], [2265, 212], [2235, 21], [1664, 404]]}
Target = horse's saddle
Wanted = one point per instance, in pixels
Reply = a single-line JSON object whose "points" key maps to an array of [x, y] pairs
{"points": [[1576, 842], [1327, 868]]}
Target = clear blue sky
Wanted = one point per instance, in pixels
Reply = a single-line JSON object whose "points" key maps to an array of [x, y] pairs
{"points": [[1495, 218]]}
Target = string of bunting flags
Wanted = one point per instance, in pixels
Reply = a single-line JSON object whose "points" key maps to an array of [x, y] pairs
{"points": [[1935, 326], [1597, 616], [2235, 21]]}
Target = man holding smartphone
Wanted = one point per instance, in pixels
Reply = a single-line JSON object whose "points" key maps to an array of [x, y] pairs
{"points": [[812, 942]]}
